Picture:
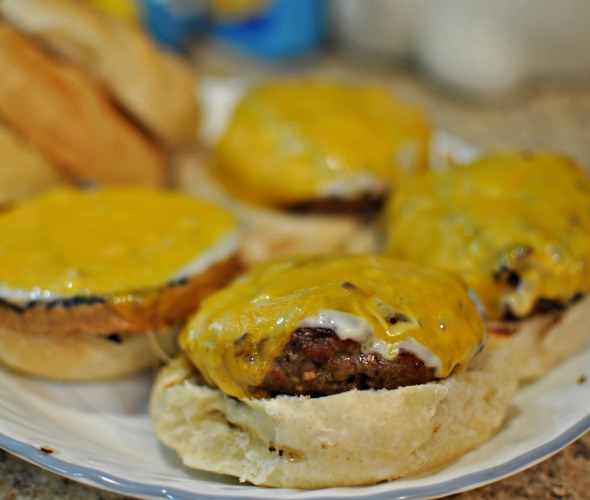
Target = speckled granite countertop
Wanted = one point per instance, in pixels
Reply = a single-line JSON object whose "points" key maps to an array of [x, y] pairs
{"points": [[544, 115]]}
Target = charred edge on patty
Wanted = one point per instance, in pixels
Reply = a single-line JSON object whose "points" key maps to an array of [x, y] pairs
{"points": [[542, 306], [366, 206], [507, 274], [62, 302], [115, 338], [147, 310], [78, 300], [508, 262], [316, 362], [509, 322]]}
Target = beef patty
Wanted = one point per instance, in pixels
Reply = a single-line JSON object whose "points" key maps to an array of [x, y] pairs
{"points": [[316, 362]]}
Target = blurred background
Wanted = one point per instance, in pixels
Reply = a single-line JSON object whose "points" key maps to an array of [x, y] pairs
{"points": [[471, 47], [498, 66]]}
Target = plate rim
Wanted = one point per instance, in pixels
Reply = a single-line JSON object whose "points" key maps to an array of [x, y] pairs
{"points": [[108, 481]]}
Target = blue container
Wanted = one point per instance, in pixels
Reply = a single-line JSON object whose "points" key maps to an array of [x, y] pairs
{"points": [[284, 28], [174, 23], [271, 29]]}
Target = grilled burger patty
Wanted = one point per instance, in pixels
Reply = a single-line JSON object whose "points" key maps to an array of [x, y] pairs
{"points": [[316, 362]]}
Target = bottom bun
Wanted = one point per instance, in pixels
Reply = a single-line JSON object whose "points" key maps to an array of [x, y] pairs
{"points": [[81, 357], [347, 439], [536, 345]]}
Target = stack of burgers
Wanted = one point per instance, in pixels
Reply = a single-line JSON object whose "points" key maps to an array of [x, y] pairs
{"points": [[87, 99]]}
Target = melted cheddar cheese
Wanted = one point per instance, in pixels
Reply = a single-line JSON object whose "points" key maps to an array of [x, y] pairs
{"points": [[516, 227], [383, 304], [109, 241], [295, 141]]}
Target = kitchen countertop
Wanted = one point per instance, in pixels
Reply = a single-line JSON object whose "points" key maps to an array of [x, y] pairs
{"points": [[547, 115]]}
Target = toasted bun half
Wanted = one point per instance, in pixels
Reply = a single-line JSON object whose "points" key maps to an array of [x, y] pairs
{"points": [[69, 118], [538, 344], [24, 171], [352, 438], [157, 88], [85, 356]]}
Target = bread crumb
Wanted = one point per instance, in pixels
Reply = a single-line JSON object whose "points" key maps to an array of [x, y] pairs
{"points": [[558, 491]]}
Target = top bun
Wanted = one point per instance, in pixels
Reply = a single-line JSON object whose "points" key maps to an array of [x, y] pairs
{"points": [[24, 170], [69, 118], [154, 87]]}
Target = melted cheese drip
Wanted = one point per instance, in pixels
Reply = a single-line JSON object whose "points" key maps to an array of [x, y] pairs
{"points": [[292, 141], [238, 332], [515, 227], [106, 242]]}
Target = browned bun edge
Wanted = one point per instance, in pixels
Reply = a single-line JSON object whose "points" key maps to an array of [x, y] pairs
{"points": [[70, 119], [538, 344], [347, 439], [24, 171], [158, 89], [270, 233], [83, 357]]}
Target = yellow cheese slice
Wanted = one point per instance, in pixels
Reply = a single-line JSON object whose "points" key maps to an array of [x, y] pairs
{"points": [[515, 226], [108, 241]]}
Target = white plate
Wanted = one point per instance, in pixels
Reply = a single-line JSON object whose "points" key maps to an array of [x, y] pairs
{"points": [[100, 434]]}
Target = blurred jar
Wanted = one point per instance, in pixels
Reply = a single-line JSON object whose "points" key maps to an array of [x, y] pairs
{"points": [[474, 47]]}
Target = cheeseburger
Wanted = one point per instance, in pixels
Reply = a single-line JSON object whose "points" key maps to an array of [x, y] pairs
{"points": [[314, 372], [516, 228], [306, 161], [93, 282]]}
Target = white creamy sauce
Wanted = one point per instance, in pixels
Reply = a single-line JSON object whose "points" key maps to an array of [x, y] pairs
{"points": [[390, 351], [222, 250], [358, 185], [351, 327], [346, 326]]}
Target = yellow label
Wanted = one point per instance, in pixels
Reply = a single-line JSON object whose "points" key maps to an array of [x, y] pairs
{"points": [[292, 141], [103, 242], [239, 331], [516, 227], [123, 9], [242, 10]]}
